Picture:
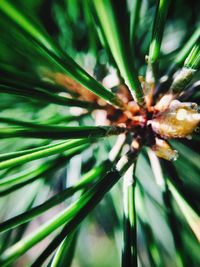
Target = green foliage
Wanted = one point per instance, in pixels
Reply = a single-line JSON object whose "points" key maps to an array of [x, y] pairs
{"points": [[61, 66]]}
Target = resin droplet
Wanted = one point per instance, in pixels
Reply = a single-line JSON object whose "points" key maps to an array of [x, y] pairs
{"points": [[163, 150]]}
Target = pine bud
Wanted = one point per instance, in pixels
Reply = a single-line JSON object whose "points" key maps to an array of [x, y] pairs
{"points": [[163, 150], [177, 121]]}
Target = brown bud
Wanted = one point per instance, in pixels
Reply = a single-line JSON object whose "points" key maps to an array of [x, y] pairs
{"points": [[163, 150], [177, 121]]}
